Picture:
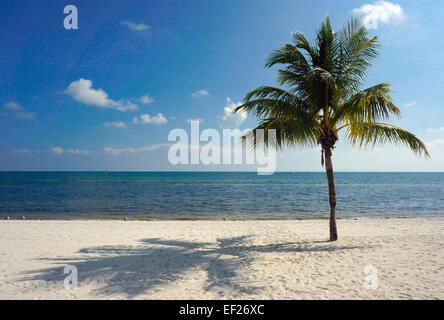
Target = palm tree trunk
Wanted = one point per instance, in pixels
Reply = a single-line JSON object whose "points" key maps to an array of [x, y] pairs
{"points": [[331, 194]]}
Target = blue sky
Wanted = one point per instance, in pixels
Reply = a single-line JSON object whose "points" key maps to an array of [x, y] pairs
{"points": [[106, 96]]}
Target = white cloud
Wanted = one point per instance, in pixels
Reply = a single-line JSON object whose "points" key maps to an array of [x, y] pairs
{"points": [[82, 91], [58, 150], [25, 115], [434, 143], [230, 119], [18, 111], [200, 93], [410, 104], [22, 151], [26, 151], [146, 99], [150, 148], [77, 151], [13, 106], [135, 27], [147, 119], [115, 124], [380, 12], [430, 130]]}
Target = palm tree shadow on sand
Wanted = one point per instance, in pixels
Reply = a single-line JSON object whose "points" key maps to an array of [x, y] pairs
{"points": [[135, 270]]}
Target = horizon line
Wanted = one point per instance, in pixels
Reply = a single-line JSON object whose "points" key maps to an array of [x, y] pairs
{"points": [[221, 171]]}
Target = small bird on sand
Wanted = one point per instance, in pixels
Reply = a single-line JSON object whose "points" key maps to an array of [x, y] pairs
{"points": [[126, 218], [23, 218]]}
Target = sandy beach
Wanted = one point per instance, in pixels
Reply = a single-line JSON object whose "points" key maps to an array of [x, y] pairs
{"points": [[223, 259]]}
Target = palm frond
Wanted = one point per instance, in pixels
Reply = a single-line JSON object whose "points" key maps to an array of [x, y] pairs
{"points": [[272, 108], [356, 52], [290, 55], [370, 105], [301, 42], [289, 131], [371, 133], [326, 46], [273, 93]]}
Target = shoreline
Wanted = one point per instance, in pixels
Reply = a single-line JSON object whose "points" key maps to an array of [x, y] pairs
{"points": [[18, 217], [253, 259], [12, 218]]}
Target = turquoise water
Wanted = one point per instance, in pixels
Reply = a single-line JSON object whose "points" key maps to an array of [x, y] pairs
{"points": [[208, 195]]}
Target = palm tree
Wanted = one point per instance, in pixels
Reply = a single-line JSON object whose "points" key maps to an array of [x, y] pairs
{"points": [[322, 96]]}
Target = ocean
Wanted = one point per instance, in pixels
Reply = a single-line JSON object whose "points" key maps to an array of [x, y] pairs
{"points": [[217, 195]]}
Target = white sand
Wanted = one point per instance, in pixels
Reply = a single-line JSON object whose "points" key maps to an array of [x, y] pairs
{"points": [[222, 259]]}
